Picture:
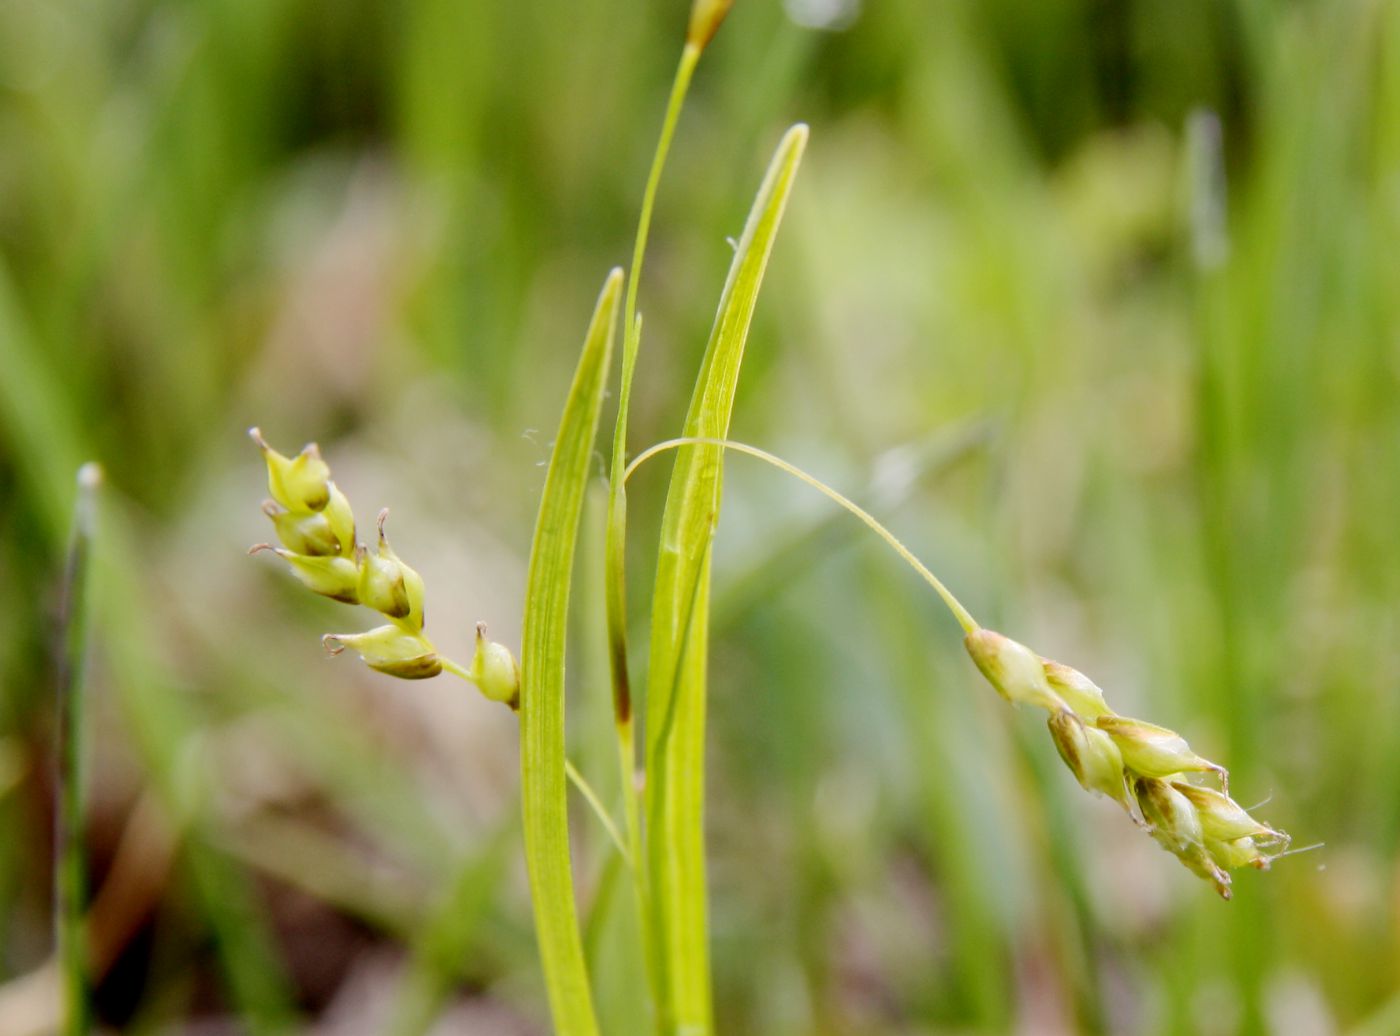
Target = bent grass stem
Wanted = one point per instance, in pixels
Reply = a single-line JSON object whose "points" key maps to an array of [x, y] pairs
{"points": [[591, 797], [963, 616]]}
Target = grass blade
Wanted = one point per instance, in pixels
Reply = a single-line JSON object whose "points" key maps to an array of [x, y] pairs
{"points": [[70, 875], [674, 806], [542, 680]]}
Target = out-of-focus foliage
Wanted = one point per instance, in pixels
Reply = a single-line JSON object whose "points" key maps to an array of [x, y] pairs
{"points": [[381, 226]]}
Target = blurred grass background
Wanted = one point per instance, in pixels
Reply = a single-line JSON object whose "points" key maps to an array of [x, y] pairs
{"points": [[1148, 427]]}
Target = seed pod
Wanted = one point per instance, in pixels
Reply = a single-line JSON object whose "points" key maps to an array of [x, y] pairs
{"points": [[390, 649], [341, 520], [1141, 766], [1079, 692], [495, 671], [1177, 828], [1169, 812], [412, 581], [334, 577], [300, 484], [1201, 863], [1238, 852], [1222, 817], [309, 534], [1154, 751], [381, 585], [1013, 669], [1091, 756]]}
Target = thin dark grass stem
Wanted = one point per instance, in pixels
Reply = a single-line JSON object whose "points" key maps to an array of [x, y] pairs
{"points": [[70, 876]]}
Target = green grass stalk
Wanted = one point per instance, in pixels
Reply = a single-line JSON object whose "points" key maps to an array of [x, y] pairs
{"points": [[595, 802]]}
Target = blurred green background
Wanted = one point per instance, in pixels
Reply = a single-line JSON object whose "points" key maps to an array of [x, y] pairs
{"points": [[1096, 303]]}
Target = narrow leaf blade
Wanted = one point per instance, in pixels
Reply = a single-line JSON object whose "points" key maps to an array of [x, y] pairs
{"points": [[675, 857], [542, 679]]}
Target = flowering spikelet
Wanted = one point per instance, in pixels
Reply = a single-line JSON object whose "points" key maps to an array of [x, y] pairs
{"points": [[1149, 770], [390, 649], [495, 670], [316, 527]]}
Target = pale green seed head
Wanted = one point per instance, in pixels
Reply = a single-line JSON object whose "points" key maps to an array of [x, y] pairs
{"points": [[389, 649], [412, 581], [1199, 860], [495, 670], [1176, 825], [1231, 853], [1153, 751], [1017, 672], [1141, 766], [1193, 855], [309, 534], [1169, 812], [341, 520], [1091, 756], [300, 484], [1223, 818], [1079, 692], [334, 577], [381, 585]]}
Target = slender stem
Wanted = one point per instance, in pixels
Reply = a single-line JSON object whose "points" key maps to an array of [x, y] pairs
{"points": [[615, 561], [632, 330], [472, 675], [70, 878], [964, 617], [591, 797], [631, 802], [456, 669]]}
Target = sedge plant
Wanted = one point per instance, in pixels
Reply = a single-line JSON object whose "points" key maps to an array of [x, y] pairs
{"points": [[1178, 797]]}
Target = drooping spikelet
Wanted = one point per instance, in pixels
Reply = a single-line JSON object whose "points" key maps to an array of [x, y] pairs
{"points": [[314, 522], [1149, 770]]}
